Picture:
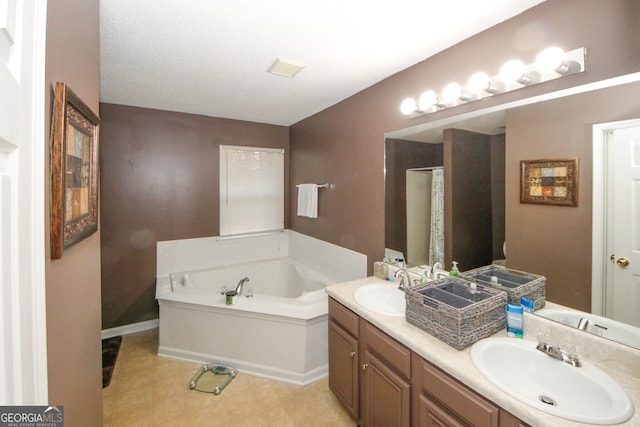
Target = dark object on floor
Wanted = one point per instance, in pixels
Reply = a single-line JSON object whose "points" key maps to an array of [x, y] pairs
{"points": [[212, 378], [110, 348]]}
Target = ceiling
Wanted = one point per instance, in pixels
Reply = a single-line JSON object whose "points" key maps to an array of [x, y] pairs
{"points": [[211, 57], [486, 123]]}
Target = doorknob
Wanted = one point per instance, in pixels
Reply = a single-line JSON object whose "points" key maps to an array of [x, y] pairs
{"points": [[622, 262]]}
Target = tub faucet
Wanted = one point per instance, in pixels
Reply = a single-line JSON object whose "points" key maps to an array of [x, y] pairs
{"points": [[240, 284]]}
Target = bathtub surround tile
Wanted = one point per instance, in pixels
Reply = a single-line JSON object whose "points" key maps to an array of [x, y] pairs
{"points": [[210, 252], [341, 264], [164, 399], [164, 255]]}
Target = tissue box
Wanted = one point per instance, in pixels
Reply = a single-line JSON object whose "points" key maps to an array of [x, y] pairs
{"points": [[516, 284], [451, 311]]}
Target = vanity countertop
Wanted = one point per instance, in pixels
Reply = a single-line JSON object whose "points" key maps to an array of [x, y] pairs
{"points": [[620, 362]]}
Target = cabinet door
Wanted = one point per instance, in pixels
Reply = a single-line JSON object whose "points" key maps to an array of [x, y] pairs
{"points": [[386, 396], [434, 415], [343, 367], [509, 420]]}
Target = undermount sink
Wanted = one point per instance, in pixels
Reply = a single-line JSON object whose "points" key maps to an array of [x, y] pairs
{"points": [[584, 394], [382, 298]]}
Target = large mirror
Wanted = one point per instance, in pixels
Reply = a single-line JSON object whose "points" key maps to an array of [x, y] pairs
{"points": [[567, 245]]}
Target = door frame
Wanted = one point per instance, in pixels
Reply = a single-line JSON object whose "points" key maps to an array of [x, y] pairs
{"points": [[601, 134], [25, 343]]}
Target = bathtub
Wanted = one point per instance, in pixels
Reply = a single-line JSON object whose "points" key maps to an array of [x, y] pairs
{"points": [[280, 332]]}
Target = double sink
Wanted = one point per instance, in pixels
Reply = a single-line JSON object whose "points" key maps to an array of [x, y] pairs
{"points": [[584, 394]]}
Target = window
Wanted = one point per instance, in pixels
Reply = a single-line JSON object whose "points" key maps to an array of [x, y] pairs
{"points": [[251, 189]]}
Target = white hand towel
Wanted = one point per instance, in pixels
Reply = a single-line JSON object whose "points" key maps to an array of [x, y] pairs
{"points": [[308, 200]]}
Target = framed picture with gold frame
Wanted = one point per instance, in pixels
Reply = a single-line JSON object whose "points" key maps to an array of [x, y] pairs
{"points": [[74, 170], [549, 181]]}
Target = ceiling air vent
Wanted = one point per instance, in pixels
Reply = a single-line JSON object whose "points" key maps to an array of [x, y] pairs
{"points": [[285, 67]]}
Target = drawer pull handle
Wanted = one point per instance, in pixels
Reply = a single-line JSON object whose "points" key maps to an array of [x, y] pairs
{"points": [[353, 353], [365, 366]]}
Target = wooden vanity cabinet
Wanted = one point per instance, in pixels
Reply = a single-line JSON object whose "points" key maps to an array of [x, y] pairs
{"points": [[385, 385], [440, 400], [344, 356]]}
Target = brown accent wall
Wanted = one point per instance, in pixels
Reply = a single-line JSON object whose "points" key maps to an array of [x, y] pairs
{"points": [[497, 194], [159, 181], [74, 354], [555, 241], [399, 156], [343, 144], [467, 201]]}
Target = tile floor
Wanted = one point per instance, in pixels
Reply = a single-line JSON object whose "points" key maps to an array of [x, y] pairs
{"points": [[147, 390]]}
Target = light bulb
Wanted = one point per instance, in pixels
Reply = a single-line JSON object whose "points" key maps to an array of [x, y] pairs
{"points": [[478, 82], [512, 71], [550, 59], [428, 100], [408, 106], [451, 93]]}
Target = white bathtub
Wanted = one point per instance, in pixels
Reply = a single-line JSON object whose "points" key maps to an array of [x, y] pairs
{"points": [[279, 333]]}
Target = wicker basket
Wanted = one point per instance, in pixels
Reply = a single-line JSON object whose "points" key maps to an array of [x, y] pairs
{"points": [[516, 284], [449, 310]]}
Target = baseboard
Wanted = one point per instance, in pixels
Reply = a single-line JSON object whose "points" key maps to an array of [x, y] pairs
{"points": [[255, 369], [130, 329]]}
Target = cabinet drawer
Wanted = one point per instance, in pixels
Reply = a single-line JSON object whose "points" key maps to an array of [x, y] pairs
{"points": [[463, 402], [386, 348], [344, 317]]}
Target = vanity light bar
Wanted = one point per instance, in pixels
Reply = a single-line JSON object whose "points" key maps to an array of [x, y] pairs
{"points": [[552, 63]]}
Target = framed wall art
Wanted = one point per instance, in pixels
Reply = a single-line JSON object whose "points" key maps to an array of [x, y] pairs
{"points": [[549, 181], [74, 170]]}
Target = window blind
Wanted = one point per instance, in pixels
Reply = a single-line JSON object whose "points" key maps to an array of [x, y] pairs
{"points": [[251, 189]]}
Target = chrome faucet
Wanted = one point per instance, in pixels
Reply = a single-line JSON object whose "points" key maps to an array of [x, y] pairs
{"points": [[404, 278], [432, 273], [240, 284], [583, 324], [556, 352]]}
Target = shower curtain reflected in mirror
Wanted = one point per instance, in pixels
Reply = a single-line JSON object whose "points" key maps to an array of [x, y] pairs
{"points": [[436, 241], [425, 215]]}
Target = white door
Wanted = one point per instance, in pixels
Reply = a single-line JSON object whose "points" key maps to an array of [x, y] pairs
{"points": [[23, 350], [622, 295]]}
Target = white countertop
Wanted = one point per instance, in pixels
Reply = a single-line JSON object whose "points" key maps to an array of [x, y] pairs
{"points": [[620, 362]]}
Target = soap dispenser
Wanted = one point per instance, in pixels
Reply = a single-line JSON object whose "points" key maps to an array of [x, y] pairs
{"points": [[454, 269], [423, 277]]}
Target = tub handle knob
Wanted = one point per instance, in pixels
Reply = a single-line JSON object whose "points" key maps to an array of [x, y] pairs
{"points": [[365, 366], [353, 353]]}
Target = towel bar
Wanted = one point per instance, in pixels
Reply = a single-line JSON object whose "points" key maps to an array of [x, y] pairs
{"points": [[318, 185]]}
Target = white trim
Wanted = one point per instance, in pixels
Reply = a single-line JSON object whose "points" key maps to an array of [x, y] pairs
{"points": [[130, 329], [39, 302], [599, 217]]}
